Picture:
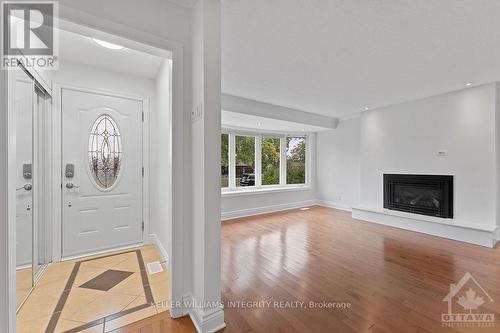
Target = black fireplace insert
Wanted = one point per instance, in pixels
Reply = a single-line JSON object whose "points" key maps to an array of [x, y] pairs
{"points": [[419, 194]]}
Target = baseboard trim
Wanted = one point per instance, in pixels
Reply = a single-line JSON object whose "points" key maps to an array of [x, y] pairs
{"points": [[164, 253], [266, 209], [105, 251], [497, 236], [209, 321], [455, 232], [335, 205]]}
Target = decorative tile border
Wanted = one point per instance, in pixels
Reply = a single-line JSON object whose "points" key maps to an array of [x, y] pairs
{"points": [[71, 280]]}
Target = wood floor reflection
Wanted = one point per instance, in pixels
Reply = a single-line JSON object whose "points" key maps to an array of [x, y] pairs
{"points": [[395, 280]]}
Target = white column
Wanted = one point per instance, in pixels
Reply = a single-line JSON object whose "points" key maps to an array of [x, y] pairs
{"points": [[208, 313]]}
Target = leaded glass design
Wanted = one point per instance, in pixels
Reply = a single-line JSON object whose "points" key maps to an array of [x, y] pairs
{"points": [[105, 151]]}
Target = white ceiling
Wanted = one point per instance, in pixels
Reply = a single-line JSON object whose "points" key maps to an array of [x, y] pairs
{"points": [[81, 49], [184, 3], [244, 121], [336, 57]]}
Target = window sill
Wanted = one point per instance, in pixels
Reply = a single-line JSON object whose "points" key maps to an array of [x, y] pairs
{"points": [[263, 190]]}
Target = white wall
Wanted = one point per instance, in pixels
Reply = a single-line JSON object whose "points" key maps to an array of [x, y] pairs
{"points": [[161, 167], [250, 204], [197, 152], [338, 165], [97, 78], [405, 139], [497, 146], [157, 17]]}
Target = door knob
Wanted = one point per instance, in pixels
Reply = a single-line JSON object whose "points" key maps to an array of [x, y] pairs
{"points": [[71, 185], [26, 187]]}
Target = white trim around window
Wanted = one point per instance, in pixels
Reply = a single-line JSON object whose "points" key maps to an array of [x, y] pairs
{"points": [[233, 190]]}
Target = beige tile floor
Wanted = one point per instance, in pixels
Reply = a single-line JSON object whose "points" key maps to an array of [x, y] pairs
{"points": [[87, 305], [24, 282]]}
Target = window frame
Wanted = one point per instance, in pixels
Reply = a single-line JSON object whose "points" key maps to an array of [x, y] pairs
{"points": [[228, 164], [232, 189], [255, 159], [93, 135], [306, 162], [280, 167]]}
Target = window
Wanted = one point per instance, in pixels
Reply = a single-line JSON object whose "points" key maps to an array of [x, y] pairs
{"points": [[224, 160], [245, 160], [255, 162], [270, 159], [295, 160], [105, 151]]}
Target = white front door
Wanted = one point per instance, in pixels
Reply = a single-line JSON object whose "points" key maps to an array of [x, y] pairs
{"points": [[102, 172]]}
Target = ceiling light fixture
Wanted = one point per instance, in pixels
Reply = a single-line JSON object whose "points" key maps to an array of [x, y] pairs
{"points": [[108, 45], [468, 84], [367, 108]]}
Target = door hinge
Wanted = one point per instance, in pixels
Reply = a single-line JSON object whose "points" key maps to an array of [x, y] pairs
{"points": [[143, 116], [142, 171], [142, 226]]}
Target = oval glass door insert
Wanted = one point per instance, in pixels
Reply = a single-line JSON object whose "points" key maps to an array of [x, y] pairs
{"points": [[105, 151]]}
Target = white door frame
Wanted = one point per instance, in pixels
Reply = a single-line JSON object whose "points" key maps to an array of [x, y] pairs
{"points": [[57, 162], [180, 118], [8, 209]]}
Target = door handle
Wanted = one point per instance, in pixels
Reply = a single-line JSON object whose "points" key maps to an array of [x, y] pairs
{"points": [[26, 187], [69, 186]]}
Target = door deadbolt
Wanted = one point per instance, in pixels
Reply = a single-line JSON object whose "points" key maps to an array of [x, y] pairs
{"points": [[70, 170], [27, 173]]}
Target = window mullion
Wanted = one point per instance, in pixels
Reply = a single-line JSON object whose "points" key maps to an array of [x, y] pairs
{"points": [[283, 161], [232, 161], [258, 161], [307, 179]]}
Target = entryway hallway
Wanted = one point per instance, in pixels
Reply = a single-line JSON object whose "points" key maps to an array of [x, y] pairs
{"points": [[97, 294]]}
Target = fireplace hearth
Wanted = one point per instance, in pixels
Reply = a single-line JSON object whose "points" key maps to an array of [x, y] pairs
{"points": [[419, 194]]}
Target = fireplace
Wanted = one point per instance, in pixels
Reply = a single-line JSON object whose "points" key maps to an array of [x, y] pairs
{"points": [[419, 194]]}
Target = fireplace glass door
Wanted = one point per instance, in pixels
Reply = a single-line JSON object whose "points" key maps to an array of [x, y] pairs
{"points": [[420, 194]]}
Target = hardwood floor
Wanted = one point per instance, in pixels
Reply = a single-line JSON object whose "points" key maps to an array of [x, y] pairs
{"points": [[160, 323], [394, 280]]}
